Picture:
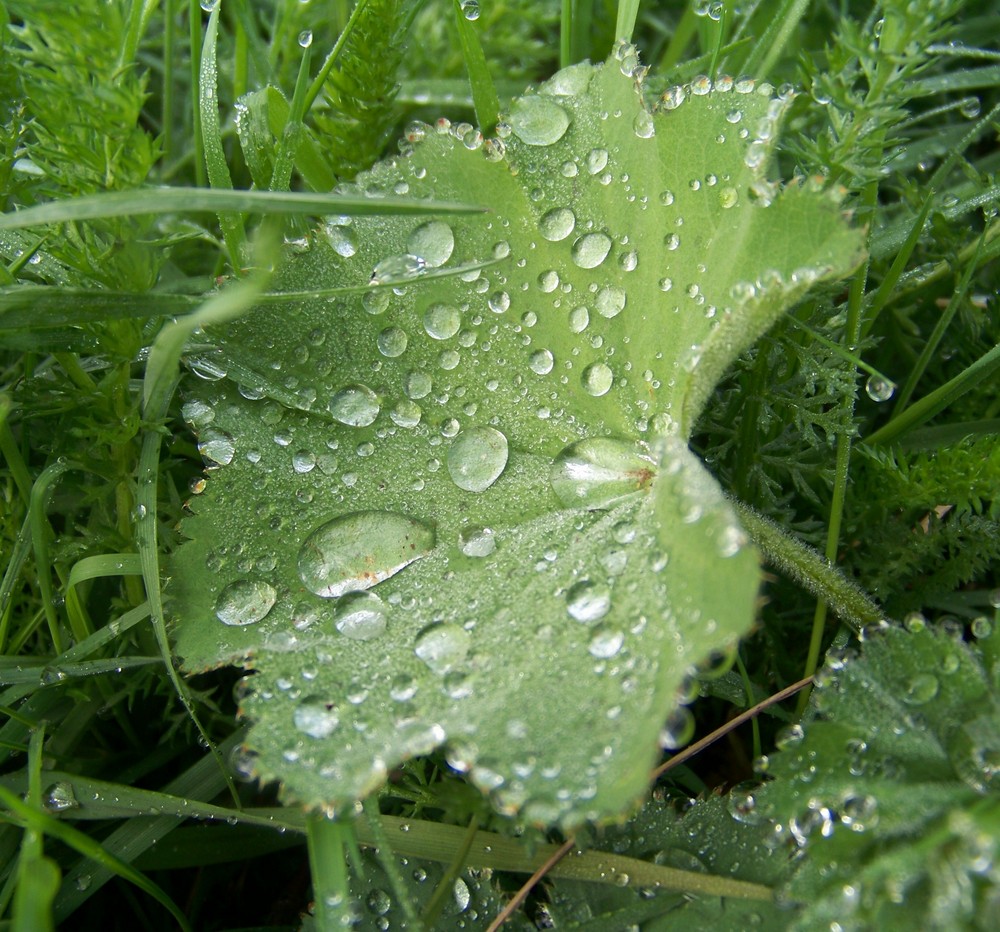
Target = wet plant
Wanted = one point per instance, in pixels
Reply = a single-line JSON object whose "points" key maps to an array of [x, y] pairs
{"points": [[403, 465]]}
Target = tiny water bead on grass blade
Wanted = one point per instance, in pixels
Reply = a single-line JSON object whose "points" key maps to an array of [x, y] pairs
{"points": [[492, 493]]}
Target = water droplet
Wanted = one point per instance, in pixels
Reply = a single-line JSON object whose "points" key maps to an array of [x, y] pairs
{"points": [[879, 389], [678, 729], [643, 125], [579, 318], [498, 302], [305, 38], [970, 107], [417, 385], [920, 689], [361, 616], [443, 647], [375, 302], [397, 269], [598, 472], [432, 242], [316, 717], [588, 601], [358, 550], [476, 458], [342, 240], [355, 405], [610, 300], [597, 379], [538, 121], [60, 796], [728, 197], [597, 160], [590, 250], [392, 342], [541, 362], [606, 642], [217, 447], [476, 541], [557, 224], [245, 602], [470, 9], [442, 321], [671, 241]]}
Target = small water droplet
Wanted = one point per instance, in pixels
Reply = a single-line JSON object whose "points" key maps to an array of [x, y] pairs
{"points": [[728, 197], [879, 389], [305, 38], [342, 240], [476, 458], [920, 689], [597, 160], [245, 602], [605, 642], [398, 268], [358, 550], [579, 318], [443, 646], [470, 9], [597, 379], [610, 300], [217, 447], [60, 796], [643, 125]]}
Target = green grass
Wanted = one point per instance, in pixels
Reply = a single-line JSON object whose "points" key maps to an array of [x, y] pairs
{"points": [[131, 135]]}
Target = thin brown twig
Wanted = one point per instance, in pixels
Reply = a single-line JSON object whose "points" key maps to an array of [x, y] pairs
{"points": [[526, 888], [723, 730]]}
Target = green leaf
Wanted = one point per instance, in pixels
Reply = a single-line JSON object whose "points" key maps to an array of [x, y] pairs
{"points": [[460, 511], [887, 798]]}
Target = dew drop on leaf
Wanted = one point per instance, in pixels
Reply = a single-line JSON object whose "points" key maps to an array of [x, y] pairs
{"points": [[218, 447], [245, 602], [477, 541], [361, 616], [879, 389], [557, 224], [432, 242], [591, 250], [538, 121], [541, 362], [476, 458], [443, 647], [610, 300], [597, 379], [598, 472], [442, 321], [397, 269], [920, 689], [605, 642], [358, 550], [588, 601], [316, 717], [392, 342], [342, 240], [355, 405]]}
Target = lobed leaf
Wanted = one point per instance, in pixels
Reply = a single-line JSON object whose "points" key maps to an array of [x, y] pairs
{"points": [[460, 510]]}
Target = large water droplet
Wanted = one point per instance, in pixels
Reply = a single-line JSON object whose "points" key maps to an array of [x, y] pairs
{"points": [[443, 647], [217, 447], [879, 389], [245, 602], [538, 121], [610, 300], [588, 601], [557, 224], [433, 242], [591, 250], [361, 616], [442, 321], [605, 642], [316, 717], [392, 342], [476, 458], [358, 550], [342, 240], [355, 405], [598, 472], [541, 362], [643, 125], [597, 379]]}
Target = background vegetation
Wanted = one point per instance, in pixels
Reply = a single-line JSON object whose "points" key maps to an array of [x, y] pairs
{"points": [[863, 424]]}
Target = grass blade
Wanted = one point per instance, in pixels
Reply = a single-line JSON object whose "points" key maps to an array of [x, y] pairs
{"points": [[484, 92]]}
